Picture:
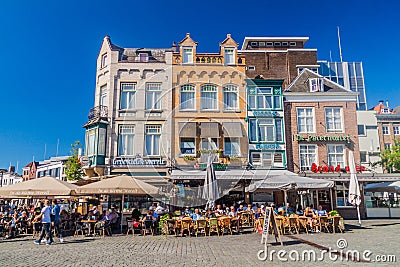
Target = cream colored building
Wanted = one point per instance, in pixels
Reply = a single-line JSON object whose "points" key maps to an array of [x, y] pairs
{"points": [[129, 129]]}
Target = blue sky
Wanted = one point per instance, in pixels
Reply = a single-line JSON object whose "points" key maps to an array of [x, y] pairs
{"points": [[49, 50]]}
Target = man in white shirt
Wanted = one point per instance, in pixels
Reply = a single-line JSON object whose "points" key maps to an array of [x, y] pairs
{"points": [[46, 224]]}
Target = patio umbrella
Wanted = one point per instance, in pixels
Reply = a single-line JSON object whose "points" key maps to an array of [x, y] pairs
{"points": [[391, 187], [119, 185], [210, 185], [354, 187], [40, 187]]}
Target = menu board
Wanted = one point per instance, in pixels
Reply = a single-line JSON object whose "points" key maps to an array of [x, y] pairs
{"points": [[269, 219]]}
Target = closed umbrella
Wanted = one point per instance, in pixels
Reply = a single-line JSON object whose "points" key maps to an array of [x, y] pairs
{"points": [[210, 185], [354, 187]]}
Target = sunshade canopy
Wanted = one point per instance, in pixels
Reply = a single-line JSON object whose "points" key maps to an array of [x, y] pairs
{"points": [[118, 185], [285, 180], [40, 187], [391, 187]]}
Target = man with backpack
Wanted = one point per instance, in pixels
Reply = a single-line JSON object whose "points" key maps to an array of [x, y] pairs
{"points": [[45, 214]]}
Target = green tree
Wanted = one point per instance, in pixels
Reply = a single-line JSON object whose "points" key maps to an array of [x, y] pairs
{"points": [[73, 168], [390, 158]]}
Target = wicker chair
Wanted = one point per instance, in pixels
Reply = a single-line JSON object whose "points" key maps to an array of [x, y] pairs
{"points": [[294, 224], [303, 224], [129, 223], [336, 224], [102, 227], [225, 224], [323, 223], [186, 224], [200, 226]]}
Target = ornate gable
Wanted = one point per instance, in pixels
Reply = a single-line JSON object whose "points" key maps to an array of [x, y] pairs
{"points": [[187, 41], [229, 41]]}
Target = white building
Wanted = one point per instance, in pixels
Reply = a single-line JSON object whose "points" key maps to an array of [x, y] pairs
{"points": [[54, 167], [9, 178], [368, 138]]}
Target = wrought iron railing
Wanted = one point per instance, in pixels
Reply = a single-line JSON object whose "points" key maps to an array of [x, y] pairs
{"points": [[98, 112]]}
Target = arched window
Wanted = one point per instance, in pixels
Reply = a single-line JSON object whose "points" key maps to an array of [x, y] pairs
{"points": [[209, 97], [188, 96], [231, 97]]}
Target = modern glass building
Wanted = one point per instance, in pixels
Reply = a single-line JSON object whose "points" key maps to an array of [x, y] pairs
{"points": [[348, 74]]}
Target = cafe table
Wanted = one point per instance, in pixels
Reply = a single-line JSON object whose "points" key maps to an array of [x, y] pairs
{"points": [[90, 224]]}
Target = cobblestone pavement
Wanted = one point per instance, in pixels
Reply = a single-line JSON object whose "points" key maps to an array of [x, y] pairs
{"points": [[381, 237]]}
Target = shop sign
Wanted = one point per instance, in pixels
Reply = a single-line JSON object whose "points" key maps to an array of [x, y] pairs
{"points": [[323, 138], [268, 146], [139, 162], [266, 113]]}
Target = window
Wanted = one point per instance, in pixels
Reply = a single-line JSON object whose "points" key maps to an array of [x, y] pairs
{"points": [[104, 60], [188, 146], [153, 136], [342, 194], [316, 85], [387, 146], [229, 56], [285, 43], [293, 43], [101, 150], [143, 57], [254, 44], [333, 119], [361, 129], [209, 100], [230, 97], [262, 159], [336, 155], [231, 146], [128, 93], [396, 129], [209, 143], [153, 96], [277, 43], [305, 120], [385, 110], [269, 44], [91, 142], [262, 44], [103, 95], [363, 156], [385, 129], [308, 156], [126, 140], [266, 130], [187, 55], [188, 92], [251, 68], [262, 99]]}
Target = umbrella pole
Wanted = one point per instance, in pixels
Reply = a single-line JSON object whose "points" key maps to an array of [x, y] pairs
{"points": [[285, 197], [122, 211], [358, 213]]}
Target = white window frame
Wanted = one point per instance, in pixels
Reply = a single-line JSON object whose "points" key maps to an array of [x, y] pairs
{"points": [[263, 159], [187, 55], [152, 131], [205, 89], [385, 129], [154, 91], [104, 60], [344, 188], [230, 89], [251, 68], [91, 142], [306, 116], [334, 130], [146, 57], [131, 104], [231, 52], [396, 129], [293, 43], [336, 154], [365, 130], [180, 146], [235, 140], [103, 95], [316, 84], [187, 89], [387, 146], [307, 154], [210, 145], [125, 132]]}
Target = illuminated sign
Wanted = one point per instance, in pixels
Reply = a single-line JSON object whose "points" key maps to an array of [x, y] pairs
{"points": [[139, 162], [323, 138]]}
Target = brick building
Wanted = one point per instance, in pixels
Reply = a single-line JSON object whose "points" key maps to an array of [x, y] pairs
{"points": [[321, 128], [277, 58], [29, 171]]}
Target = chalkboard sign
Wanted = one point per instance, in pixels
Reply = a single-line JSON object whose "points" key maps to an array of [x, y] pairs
{"points": [[269, 219]]}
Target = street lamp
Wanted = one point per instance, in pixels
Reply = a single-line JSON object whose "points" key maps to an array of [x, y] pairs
{"points": [[2, 171]]}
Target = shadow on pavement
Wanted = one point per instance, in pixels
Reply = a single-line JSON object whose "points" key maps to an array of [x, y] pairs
{"points": [[385, 224]]}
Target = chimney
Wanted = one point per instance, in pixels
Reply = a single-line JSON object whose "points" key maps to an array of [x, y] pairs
{"points": [[11, 169], [174, 47], [387, 103], [381, 102]]}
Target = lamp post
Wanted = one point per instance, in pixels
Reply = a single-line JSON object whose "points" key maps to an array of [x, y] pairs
{"points": [[2, 171]]}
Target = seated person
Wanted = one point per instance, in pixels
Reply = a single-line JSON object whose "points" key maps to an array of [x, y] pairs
{"points": [[232, 213], [257, 214], [149, 220], [321, 212], [210, 214], [196, 215], [288, 209], [113, 216], [299, 210], [249, 208], [309, 211], [136, 214], [24, 220], [11, 225], [219, 210], [240, 208], [88, 216]]}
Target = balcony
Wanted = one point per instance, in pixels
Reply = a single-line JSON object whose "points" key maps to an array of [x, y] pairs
{"points": [[212, 59], [98, 112]]}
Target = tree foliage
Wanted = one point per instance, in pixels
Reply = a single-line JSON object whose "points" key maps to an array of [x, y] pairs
{"points": [[73, 168], [390, 158]]}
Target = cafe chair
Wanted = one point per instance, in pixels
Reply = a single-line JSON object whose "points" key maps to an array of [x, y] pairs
{"points": [[147, 227], [336, 224], [129, 223], [225, 224], [103, 228], [213, 226], [200, 226], [323, 223], [186, 225]]}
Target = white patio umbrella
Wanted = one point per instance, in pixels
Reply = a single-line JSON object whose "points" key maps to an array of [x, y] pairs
{"points": [[354, 187], [210, 185]]}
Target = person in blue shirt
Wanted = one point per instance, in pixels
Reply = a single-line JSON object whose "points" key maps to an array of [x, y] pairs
{"points": [[46, 224], [196, 215], [57, 219], [321, 212]]}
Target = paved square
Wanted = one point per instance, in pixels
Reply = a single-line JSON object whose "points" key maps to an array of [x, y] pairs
{"points": [[378, 236]]}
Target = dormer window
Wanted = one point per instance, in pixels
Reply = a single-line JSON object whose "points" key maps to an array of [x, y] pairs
{"points": [[143, 57], [187, 55], [104, 60], [229, 56], [384, 110], [316, 85]]}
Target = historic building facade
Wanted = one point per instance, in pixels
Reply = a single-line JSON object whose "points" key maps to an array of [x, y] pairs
{"points": [[209, 105], [129, 129]]}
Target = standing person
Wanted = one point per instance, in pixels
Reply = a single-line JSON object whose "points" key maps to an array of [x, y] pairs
{"points": [[57, 219], [46, 224]]}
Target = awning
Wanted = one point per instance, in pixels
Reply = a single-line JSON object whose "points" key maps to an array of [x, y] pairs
{"points": [[393, 187], [235, 174], [209, 129], [232, 129], [187, 129]]}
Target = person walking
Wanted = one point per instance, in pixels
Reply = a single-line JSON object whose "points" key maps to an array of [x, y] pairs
{"points": [[45, 214], [57, 220]]}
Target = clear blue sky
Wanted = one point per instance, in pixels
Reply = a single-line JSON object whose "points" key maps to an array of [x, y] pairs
{"points": [[49, 50]]}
